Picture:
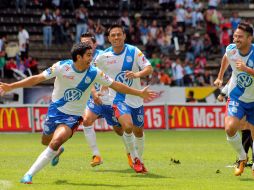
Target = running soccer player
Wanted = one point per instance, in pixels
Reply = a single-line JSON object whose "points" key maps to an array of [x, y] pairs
{"points": [[96, 109], [72, 85], [127, 64], [240, 56]]}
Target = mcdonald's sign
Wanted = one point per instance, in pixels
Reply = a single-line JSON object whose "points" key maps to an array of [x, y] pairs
{"points": [[10, 113], [179, 117], [14, 119]]}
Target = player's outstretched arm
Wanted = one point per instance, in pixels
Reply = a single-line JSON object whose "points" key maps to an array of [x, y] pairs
{"points": [[27, 82], [145, 93], [224, 65]]}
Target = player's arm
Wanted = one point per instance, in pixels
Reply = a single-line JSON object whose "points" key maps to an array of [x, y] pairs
{"points": [[224, 65], [240, 65], [95, 95], [124, 89], [143, 73], [27, 82]]}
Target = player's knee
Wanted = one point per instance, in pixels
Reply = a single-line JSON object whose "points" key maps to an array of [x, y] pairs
{"points": [[119, 131], [87, 122], [55, 144], [44, 142], [230, 129]]}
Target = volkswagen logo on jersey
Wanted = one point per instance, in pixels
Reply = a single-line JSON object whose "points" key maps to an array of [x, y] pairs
{"points": [[123, 79], [72, 94], [244, 80], [97, 86]]}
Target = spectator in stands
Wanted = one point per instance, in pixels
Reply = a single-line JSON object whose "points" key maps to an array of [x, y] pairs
{"points": [[9, 66], [224, 40], [47, 21], [58, 26], [213, 4], [144, 32], [32, 64], [12, 50], [124, 5], [81, 21], [2, 54], [20, 4], [200, 64], [99, 35], [23, 37], [155, 78], [178, 72], [68, 35], [235, 20], [190, 97], [155, 60], [164, 78], [189, 74], [180, 13]]}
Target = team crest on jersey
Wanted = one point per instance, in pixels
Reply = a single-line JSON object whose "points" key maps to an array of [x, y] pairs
{"points": [[71, 119], [234, 109], [87, 80], [129, 59], [123, 79], [250, 63], [72, 94], [91, 105], [244, 80], [140, 118]]}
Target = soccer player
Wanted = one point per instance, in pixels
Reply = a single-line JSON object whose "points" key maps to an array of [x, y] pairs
{"points": [[247, 131], [72, 85], [240, 56], [95, 109], [127, 64]]}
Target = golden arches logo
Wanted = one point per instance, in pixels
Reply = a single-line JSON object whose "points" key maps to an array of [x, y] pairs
{"points": [[9, 112], [179, 112]]}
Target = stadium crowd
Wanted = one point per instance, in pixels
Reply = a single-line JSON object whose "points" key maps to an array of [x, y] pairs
{"points": [[178, 49]]}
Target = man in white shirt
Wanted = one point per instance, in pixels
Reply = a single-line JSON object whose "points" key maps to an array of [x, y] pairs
{"points": [[23, 37]]}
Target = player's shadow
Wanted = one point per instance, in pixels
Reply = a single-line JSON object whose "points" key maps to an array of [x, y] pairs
{"points": [[65, 182], [147, 175]]}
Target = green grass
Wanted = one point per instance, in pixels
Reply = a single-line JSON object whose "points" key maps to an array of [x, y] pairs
{"points": [[201, 154]]}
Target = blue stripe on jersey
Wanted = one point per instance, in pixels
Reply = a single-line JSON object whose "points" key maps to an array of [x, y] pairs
{"points": [[95, 54], [230, 47], [127, 65], [82, 86], [250, 61]]}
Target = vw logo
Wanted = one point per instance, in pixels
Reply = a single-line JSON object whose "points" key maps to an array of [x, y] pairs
{"points": [[244, 80], [123, 79], [72, 94]]}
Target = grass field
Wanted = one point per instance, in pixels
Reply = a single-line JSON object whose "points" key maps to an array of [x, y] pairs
{"points": [[203, 157]]}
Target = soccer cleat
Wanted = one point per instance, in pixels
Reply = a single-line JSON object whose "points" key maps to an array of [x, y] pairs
{"points": [[96, 160], [55, 160], [137, 166], [144, 170], [129, 160], [239, 168], [27, 179]]}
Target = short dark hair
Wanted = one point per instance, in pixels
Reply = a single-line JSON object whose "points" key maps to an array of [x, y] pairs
{"points": [[79, 49], [88, 35], [116, 25], [246, 27]]}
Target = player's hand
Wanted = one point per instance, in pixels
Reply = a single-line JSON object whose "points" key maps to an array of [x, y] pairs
{"points": [[4, 87], [96, 98], [218, 83], [131, 75], [240, 65], [220, 98], [148, 95]]}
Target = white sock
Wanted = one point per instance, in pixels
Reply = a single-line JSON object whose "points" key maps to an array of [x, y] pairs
{"points": [[45, 157], [91, 139], [125, 145], [236, 143], [139, 142], [130, 143]]}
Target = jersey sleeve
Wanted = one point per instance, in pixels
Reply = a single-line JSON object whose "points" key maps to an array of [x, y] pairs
{"points": [[141, 60], [230, 48], [52, 71], [98, 61], [103, 79]]}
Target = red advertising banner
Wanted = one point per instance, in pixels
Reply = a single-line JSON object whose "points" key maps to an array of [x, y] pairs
{"points": [[196, 116], [39, 117], [14, 119], [154, 117]]}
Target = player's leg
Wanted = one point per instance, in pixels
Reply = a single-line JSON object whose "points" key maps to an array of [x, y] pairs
{"points": [[138, 122], [90, 115], [123, 113], [61, 135]]}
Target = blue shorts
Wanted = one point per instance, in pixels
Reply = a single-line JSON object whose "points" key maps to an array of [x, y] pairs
{"points": [[103, 111], [240, 109], [55, 117], [137, 114]]}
